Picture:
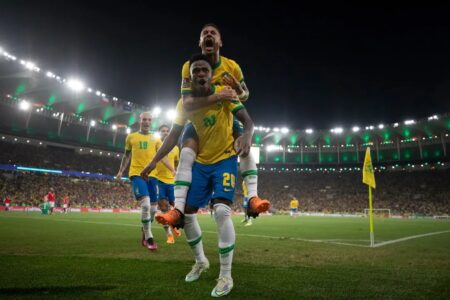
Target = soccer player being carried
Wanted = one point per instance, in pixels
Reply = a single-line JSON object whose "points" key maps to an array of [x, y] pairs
{"points": [[140, 148], [166, 181], [225, 72], [215, 171], [51, 198]]}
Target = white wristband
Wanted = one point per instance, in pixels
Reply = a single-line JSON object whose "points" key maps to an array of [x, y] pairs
{"points": [[242, 95]]}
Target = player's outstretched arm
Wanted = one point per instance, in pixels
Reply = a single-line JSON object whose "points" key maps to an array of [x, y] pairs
{"points": [[244, 142], [123, 164], [168, 144], [192, 103]]}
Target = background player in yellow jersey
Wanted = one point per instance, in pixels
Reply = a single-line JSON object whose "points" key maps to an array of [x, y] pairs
{"points": [[140, 148], [166, 180], [215, 171], [226, 72], [294, 207], [247, 219]]}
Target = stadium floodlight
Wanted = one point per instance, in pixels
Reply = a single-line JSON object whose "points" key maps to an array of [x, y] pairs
{"points": [[271, 148], [410, 122], [284, 130], [171, 114], [92, 123], [103, 94], [115, 98], [267, 129], [276, 129], [24, 105], [395, 124], [50, 74], [380, 126], [355, 129], [309, 131], [128, 130], [98, 93], [337, 130], [40, 143], [433, 117], [89, 90], [81, 149], [114, 127], [28, 141], [30, 66], [156, 111]]}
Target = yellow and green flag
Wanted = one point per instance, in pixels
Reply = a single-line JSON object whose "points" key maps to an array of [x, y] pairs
{"points": [[368, 174]]}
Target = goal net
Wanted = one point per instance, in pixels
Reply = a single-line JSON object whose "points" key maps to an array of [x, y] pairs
{"points": [[379, 212]]}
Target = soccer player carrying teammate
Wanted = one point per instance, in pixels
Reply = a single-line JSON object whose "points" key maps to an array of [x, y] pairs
{"points": [[294, 207], [247, 219], [51, 198], [215, 171], [166, 181], [226, 72], [140, 148]]}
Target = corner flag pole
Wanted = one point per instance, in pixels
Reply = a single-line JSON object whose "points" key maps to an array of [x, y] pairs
{"points": [[369, 179], [372, 236]]}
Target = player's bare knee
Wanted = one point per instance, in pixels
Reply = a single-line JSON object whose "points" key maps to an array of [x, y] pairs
{"points": [[190, 209], [163, 205]]}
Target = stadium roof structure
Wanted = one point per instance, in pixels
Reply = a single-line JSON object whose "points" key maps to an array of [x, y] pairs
{"points": [[37, 103]]}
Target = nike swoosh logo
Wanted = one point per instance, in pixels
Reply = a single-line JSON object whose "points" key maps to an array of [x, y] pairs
{"points": [[221, 293]]}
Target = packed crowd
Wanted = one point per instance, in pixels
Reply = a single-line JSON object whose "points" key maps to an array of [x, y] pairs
{"points": [[403, 192], [29, 189]]}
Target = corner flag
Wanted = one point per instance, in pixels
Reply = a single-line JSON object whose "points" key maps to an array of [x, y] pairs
{"points": [[369, 179], [368, 174]]}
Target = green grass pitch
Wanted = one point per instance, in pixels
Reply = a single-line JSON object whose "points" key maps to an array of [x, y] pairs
{"points": [[99, 256]]}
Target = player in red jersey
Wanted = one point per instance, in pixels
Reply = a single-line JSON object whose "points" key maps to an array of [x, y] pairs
{"points": [[7, 202], [51, 198], [66, 204]]}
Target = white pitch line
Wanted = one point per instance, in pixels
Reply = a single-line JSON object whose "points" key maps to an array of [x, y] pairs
{"points": [[406, 238], [331, 241]]}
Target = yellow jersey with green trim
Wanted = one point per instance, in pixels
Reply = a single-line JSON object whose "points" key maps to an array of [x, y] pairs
{"points": [[224, 66], [164, 174], [244, 189], [143, 148], [214, 127], [294, 203]]}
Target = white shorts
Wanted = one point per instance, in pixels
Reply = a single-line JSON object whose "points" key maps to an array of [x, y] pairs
{"points": [[65, 206], [52, 204], [7, 204]]}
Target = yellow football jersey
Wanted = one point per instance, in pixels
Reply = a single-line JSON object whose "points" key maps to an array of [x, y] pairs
{"points": [[214, 127], [224, 66], [244, 189], [164, 174], [143, 148], [294, 203]]}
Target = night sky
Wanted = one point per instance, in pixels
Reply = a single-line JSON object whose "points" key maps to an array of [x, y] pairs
{"points": [[305, 67]]}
